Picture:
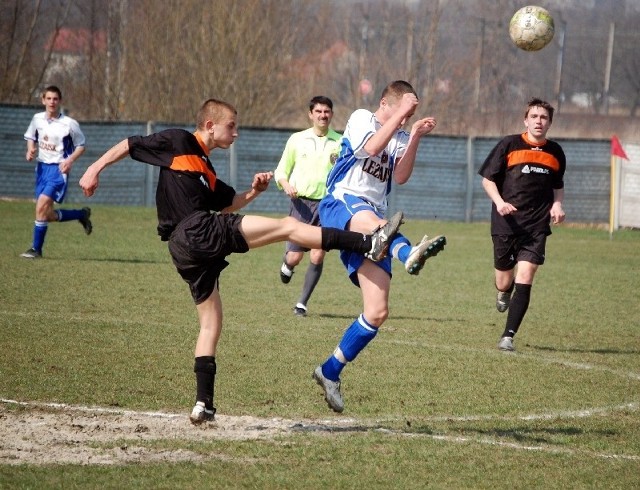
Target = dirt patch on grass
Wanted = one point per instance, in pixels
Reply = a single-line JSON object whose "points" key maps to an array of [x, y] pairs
{"points": [[62, 434]]}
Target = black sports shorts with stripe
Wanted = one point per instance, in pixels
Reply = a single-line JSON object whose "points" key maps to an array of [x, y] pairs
{"points": [[199, 245]]}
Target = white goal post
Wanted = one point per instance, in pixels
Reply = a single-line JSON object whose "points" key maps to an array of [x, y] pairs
{"points": [[625, 189]]}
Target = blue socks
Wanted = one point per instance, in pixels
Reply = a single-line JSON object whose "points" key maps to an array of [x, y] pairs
{"points": [[400, 248], [40, 228], [39, 231], [354, 340]]}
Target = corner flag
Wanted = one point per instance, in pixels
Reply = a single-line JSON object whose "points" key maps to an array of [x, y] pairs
{"points": [[616, 148], [616, 151]]}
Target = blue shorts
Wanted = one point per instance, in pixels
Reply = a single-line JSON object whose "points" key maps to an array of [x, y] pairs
{"points": [[50, 181], [335, 213]]}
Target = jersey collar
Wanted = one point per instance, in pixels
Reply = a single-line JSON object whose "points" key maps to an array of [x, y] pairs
{"points": [[201, 143], [532, 143]]}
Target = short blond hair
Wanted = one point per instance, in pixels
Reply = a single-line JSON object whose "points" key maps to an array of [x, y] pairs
{"points": [[213, 110], [397, 89]]}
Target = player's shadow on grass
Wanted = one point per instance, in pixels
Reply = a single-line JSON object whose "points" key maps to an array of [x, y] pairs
{"points": [[526, 435], [330, 428], [583, 351], [523, 435]]}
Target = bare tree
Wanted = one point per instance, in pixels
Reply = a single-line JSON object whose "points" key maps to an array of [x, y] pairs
{"points": [[27, 52], [243, 51], [625, 85], [159, 59]]}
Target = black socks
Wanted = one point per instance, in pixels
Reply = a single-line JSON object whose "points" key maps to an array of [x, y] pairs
{"points": [[205, 369], [335, 239], [517, 309]]}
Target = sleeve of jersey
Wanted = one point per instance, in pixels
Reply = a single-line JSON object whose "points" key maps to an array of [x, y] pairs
{"points": [[77, 136], [222, 196], [287, 161], [402, 141], [155, 149], [493, 166], [359, 129], [559, 180], [31, 133]]}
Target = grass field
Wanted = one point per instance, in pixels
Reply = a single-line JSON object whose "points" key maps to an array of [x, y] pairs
{"points": [[105, 321]]}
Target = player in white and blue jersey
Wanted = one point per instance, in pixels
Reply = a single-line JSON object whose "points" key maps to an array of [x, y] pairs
{"points": [[375, 151], [59, 142]]}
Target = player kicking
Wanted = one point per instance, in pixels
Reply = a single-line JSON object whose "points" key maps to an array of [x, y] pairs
{"points": [[374, 152], [195, 217]]}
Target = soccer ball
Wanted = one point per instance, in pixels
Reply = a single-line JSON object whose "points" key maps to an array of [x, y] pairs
{"points": [[531, 28]]}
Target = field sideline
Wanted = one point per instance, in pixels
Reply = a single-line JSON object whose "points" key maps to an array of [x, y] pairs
{"points": [[97, 368]]}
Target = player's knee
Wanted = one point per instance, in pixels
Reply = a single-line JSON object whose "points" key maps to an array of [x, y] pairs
{"points": [[377, 316], [317, 256], [289, 224], [504, 284], [294, 258]]}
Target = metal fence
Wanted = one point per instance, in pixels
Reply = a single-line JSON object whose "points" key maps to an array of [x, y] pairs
{"points": [[444, 185]]}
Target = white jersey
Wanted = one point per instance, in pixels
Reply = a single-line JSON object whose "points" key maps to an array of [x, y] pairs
{"points": [[357, 173], [56, 138]]}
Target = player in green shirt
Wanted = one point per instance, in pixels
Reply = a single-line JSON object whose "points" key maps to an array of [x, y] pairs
{"points": [[302, 174]]}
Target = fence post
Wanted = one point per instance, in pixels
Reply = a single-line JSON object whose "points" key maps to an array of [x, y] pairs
{"points": [[149, 175], [468, 204], [233, 166]]}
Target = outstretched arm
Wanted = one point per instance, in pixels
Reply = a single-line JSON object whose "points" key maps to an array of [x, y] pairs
{"points": [[260, 183], [89, 181]]}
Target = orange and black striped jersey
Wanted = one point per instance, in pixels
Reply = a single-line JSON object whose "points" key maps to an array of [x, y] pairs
{"points": [[187, 181], [526, 174]]}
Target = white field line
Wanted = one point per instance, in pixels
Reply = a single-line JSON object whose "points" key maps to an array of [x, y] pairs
{"points": [[520, 355], [346, 422], [87, 409], [511, 445], [354, 424], [78, 318], [285, 426]]}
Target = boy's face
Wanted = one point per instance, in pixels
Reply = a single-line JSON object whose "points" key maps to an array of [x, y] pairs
{"points": [[537, 122], [51, 101], [225, 131]]}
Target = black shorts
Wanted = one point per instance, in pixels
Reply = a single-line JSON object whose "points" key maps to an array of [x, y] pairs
{"points": [[199, 245], [508, 250], [305, 210]]}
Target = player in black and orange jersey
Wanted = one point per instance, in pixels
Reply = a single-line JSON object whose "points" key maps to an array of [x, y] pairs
{"points": [[195, 215], [523, 175]]}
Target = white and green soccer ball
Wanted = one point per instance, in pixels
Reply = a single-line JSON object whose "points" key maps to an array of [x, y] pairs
{"points": [[531, 28]]}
